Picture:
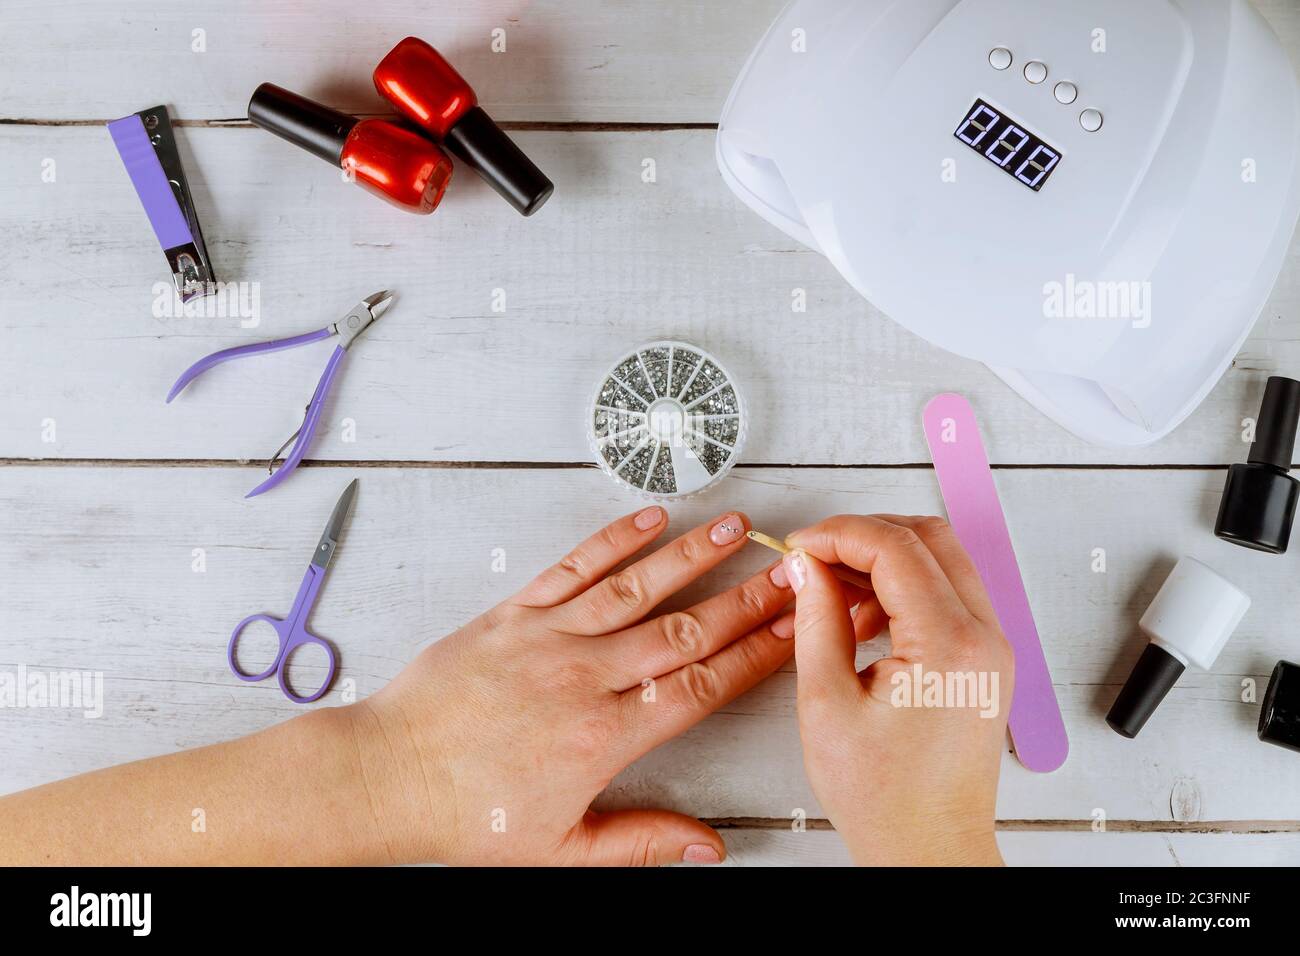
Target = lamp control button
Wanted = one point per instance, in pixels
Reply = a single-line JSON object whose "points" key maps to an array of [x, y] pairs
{"points": [[1090, 120], [1000, 58], [1035, 72], [1066, 92]]}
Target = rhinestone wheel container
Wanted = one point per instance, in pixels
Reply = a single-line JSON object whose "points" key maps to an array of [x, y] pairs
{"points": [[667, 420]]}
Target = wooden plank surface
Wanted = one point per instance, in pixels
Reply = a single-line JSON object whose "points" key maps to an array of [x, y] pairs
{"points": [[610, 263], [98, 571], [564, 61]]}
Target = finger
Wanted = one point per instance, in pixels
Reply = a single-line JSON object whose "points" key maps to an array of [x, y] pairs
{"points": [[663, 644], [623, 599], [647, 838], [953, 558], [910, 585], [590, 561], [854, 595], [665, 706], [869, 619], [825, 643]]}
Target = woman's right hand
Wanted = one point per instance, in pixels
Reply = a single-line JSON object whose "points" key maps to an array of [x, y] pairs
{"points": [[903, 781]]}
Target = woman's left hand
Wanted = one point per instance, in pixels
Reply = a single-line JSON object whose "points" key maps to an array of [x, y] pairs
{"points": [[491, 746]]}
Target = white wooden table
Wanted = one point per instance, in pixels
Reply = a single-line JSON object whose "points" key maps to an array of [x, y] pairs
{"points": [[469, 422]]}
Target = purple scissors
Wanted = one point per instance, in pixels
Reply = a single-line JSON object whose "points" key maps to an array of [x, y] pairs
{"points": [[348, 329], [292, 629]]}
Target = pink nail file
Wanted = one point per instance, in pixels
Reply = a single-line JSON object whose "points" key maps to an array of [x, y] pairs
{"points": [[966, 482]]}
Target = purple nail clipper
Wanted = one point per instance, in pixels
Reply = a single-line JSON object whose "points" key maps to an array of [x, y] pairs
{"points": [[348, 329], [147, 147]]}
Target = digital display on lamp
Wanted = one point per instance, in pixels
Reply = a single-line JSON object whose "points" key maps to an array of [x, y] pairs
{"points": [[1008, 145]]}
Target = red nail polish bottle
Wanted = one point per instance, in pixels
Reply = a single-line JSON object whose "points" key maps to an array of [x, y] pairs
{"points": [[398, 164], [427, 90]]}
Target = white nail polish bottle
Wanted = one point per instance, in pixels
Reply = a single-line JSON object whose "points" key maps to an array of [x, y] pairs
{"points": [[1193, 615]]}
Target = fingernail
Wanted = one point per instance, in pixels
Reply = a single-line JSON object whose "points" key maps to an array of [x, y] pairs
{"points": [[783, 627], [777, 576], [701, 853], [650, 518], [727, 531], [796, 570]]}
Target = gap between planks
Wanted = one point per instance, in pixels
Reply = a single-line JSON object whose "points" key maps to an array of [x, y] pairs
{"points": [[1043, 826], [557, 465], [239, 122]]}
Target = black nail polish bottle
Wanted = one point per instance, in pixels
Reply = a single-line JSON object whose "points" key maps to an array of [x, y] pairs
{"points": [[1259, 497], [1279, 714]]}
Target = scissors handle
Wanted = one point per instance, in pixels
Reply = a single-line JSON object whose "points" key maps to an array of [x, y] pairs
{"points": [[281, 627], [293, 634], [297, 640]]}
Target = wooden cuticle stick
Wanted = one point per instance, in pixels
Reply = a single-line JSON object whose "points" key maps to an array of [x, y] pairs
{"points": [[847, 575]]}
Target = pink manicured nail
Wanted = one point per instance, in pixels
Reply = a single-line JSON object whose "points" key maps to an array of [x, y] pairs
{"points": [[796, 570], [727, 531], [701, 853], [783, 627], [777, 576], [650, 518]]}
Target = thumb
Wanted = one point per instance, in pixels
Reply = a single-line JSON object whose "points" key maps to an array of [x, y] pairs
{"points": [[648, 838], [825, 645]]}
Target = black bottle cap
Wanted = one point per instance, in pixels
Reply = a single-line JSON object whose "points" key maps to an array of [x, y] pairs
{"points": [[305, 123], [1279, 414], [1153, 676], [485, 148], [1260, 497], [1258, 507], [1279, 714]]}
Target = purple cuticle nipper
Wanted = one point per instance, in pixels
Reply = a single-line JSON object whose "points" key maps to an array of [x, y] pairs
{"points": [[348, 329]]}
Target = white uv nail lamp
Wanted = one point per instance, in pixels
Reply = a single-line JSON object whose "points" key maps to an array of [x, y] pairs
{"points": [[1093, 197]]}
